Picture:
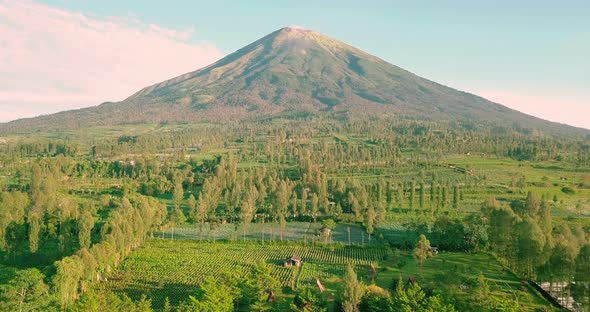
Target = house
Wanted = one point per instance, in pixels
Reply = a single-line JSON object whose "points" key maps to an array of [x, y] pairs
{"points": [[434, 250], [293, 261]]}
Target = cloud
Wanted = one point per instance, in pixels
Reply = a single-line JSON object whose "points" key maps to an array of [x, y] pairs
{"points": [[559, 109], [52, 59]]}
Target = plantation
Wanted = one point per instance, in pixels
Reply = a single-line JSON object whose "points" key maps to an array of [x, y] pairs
{"points": [[174, 269]]}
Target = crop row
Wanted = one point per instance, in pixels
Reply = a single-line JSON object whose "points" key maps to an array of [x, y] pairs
{"points": [[175, 268]]}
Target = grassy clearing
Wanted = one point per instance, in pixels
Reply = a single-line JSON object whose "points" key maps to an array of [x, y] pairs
{"points": [[446, 272]]}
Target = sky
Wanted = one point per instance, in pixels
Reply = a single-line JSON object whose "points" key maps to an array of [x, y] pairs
{"points": [[533, 56]]}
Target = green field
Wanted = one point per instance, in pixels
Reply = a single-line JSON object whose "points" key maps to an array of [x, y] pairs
{"points": [[174, 269]]}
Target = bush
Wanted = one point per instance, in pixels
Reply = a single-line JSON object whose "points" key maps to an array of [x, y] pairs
{"points": [[568, 190]]}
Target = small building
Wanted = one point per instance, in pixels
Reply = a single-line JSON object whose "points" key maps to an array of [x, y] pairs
{"points": [[434, 250], [293, 261], [325, 231]]}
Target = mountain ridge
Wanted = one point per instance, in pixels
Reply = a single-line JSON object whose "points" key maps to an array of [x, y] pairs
{"points": [[292, 70]]}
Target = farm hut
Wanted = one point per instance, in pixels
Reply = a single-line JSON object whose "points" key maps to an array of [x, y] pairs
{"points": [[325, 231], [293, 261], [434, 250]]}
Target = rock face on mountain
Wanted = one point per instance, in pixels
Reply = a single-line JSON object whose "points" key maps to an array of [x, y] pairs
{"points": [[291, 70]]}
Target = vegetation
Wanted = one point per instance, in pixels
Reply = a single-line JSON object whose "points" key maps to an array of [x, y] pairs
{"points": [[320, 181]]}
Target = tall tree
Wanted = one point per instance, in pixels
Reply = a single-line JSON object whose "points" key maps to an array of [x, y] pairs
{"points": [[581, 289], [422, 250], [422, 195], [314, 206], [248, 208], [178, 194], [282, 204], [352, 290], [192, 208], [303, 209], [176, 218], [85, 225], [530, 245]]}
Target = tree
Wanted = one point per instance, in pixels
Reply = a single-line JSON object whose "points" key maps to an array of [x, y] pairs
{"points": [[67, 278], [533, 204], [449, 234], [192, 208], [303, 209], [329, 224], [562, 261], [530, 244], [85, 225], [25, 292], [34, 220], [422, 195], [213, 296], [476, 232], [581, 290], [352, 291], [455, 196], [354, 205], [248, 208], [308, 300], [260, 287], [412, 193], [376, 299], [413, 298], [314, 206], [370, 219], [501, 224], [178, 194], [422, 250], [282, 204], [176, 218], [480, 289]]}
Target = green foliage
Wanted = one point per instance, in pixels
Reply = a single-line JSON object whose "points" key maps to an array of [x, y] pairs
{"points": [[26, 291], [423, 250], [413, 298], [308, 299], [213, 296], [95, 300], [70, 205], [376, 299], [329, 224], [568, 190], [352, 290]]}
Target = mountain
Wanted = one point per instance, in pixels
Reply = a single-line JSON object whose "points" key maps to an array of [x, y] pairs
{"points": [[291, 70]]}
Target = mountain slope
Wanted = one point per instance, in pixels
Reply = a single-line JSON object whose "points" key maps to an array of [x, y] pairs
{"points": [[291, 70]]}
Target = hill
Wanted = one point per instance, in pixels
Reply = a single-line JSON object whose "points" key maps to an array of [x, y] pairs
{"points": [[293, 70]]}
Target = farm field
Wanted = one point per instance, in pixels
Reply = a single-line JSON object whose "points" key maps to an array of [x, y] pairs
{"points": [[164, 269], [174, 269], [293, 231]]}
